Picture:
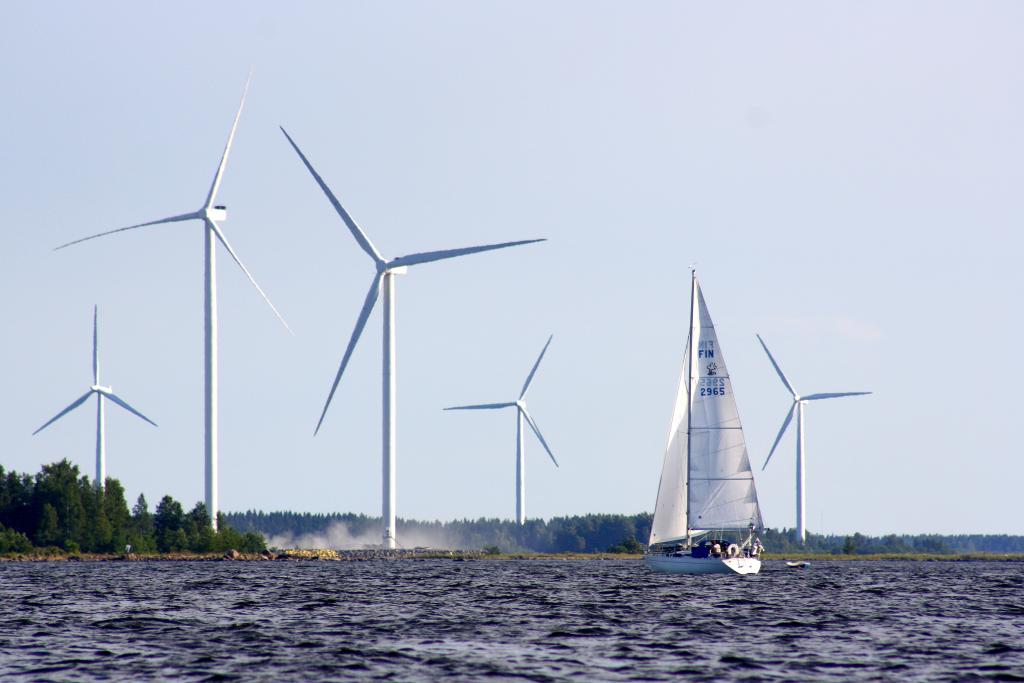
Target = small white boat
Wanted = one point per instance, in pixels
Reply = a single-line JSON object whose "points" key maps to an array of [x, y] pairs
{"points": [[797, 565], [707, 486]]}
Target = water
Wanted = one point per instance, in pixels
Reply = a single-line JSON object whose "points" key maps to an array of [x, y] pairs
{"points": [[535, 620]]}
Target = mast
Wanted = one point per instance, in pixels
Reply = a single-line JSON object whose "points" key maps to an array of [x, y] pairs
{"points": [[705, 485], [689, 395]]}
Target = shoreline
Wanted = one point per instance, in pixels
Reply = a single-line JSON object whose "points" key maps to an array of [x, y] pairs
{"points": [[420, 554]]}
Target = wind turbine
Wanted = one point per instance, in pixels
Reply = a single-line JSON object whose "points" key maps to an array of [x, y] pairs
{"points": [[798, 407], [521, 414], [101, 393], [210, 213], [383, 278]]}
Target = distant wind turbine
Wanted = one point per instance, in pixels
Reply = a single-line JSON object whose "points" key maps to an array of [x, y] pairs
{"points": [[101, 393], [798, 407], [521, 414], [210, 214], [383, 278]]}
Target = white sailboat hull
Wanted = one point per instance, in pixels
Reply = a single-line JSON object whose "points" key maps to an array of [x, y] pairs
{"points": [[686, 564]]}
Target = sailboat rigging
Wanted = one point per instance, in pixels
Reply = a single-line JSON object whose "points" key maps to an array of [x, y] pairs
{"points": [[707, 485]]}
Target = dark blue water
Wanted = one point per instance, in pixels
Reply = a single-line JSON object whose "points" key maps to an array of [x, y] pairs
{"points": [[535, 620]]}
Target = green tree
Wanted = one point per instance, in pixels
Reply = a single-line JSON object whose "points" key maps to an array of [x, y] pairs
{"points": [[141, 535], [95, 533], [177, 541], [102, 533], [168, 521], [49, 527], [628, 545], [12, 541], [17, 510], [252, 542], [5, 494], [115, 508], [198, 530], [229, 539], [58, 486]]}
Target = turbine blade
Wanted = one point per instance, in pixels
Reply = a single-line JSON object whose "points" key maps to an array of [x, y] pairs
{"points": [[361, 238], [482, 406], [172, 219], [215, 185], [95, 347], [124, 404], [78, 402], [785, 423], [371, 299], [224, 241], [536, 430], [776, 366], [818, 397], [428, 256], [533, 370]]}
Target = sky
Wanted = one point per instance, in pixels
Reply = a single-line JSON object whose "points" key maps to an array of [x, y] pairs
{"points": [[845, 176]]}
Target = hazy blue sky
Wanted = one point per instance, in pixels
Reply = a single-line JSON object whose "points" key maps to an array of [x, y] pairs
{"points": [[846, 176]]}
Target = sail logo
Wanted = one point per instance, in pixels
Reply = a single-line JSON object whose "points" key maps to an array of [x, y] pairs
{"points": [[706, 348], [712, 369]]}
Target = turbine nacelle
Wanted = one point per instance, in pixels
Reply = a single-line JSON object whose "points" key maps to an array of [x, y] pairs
{"points": [[215, 213], [101, 389]]}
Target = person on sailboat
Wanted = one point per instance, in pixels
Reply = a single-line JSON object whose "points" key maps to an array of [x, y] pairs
{"points": [[716, 549]]}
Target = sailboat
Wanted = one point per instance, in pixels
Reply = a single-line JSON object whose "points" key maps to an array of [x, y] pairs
{"points": [[706, 495]]}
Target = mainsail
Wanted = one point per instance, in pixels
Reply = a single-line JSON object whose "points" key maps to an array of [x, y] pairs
{"points": [[706, 480]]}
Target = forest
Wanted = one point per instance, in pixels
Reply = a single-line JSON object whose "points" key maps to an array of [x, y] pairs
{"points": [[591, 533], [584, 534], [62, 510]]}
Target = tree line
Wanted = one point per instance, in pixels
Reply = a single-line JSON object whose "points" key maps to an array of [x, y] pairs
{"points": [[598, 533], [62, 509], [584, 534], [784, 540]]}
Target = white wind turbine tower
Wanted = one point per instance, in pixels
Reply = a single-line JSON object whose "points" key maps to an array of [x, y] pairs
{"points": [[101, 393], [383, 279], [521, 414], [798, 407], [210, 213]]}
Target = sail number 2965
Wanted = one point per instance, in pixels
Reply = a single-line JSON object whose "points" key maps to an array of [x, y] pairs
{"points": [[712, 386]]}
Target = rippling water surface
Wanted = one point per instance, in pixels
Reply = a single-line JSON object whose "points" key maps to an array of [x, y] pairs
{"points": [[538, 620]]}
